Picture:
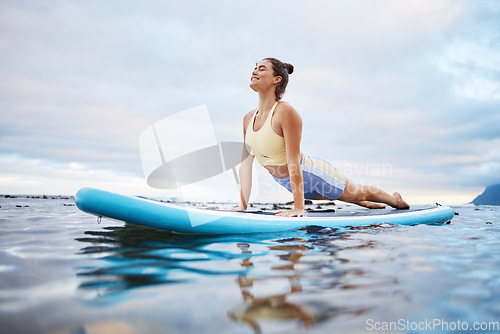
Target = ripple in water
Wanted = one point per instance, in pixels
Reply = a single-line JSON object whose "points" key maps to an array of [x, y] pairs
{"points": [[61, 272]]}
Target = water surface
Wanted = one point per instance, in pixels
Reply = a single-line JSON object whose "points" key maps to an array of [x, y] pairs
{"points": [[61, 272]]}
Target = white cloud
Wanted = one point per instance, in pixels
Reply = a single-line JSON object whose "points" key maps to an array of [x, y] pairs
{"points": [[474, 63], [412, 84]]}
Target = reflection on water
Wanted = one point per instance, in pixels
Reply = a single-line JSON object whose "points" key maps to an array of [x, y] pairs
{"points": [[60, 272], [274, 306], [268, 273], [135, 256]]}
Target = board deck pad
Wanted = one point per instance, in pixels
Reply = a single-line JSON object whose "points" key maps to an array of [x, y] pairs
{"points": [[358, 212], [190, 219]]}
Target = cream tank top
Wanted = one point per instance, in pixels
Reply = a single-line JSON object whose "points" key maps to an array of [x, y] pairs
{"points": [[266, 145]]}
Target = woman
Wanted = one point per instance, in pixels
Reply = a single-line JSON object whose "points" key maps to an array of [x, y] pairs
{"points": [[272, 134]]}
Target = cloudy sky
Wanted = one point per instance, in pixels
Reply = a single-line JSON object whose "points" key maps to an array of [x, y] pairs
{"points": [[401, 94]]}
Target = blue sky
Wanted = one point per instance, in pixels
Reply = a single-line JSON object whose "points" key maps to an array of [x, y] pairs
{"points": [[401, 94]]}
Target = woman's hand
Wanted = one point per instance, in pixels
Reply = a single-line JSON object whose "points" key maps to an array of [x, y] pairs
{"points": [[291, 213]]}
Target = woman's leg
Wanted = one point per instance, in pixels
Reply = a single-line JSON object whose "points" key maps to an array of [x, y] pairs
{"points": [[322, 178], [371, 196], [366, 204]]}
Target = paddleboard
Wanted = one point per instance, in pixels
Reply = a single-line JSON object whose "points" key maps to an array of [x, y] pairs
{"points": [[189, 219]]}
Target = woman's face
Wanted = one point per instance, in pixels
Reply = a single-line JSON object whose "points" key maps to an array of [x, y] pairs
{"points": [[262, 76]]}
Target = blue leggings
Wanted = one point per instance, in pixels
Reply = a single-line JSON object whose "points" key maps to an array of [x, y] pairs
{"points": [[320, 178]]}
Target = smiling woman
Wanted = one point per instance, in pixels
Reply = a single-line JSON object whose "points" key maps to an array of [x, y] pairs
{"points": [[273, 133], [279, 70]]}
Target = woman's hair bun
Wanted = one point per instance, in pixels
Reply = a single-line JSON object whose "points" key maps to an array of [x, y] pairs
{"points": [[289, 68]]}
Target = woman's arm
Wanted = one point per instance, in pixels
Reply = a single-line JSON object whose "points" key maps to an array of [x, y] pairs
{"points": [[245, 172], [245, 180], [291, 124]]}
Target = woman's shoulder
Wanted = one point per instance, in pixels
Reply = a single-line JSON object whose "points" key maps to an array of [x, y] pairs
{"points": [[286, 109], [284, 104], [250, 113], [248, 116]]}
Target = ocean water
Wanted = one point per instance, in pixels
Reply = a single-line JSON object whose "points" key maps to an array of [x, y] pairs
{"points": [[62, 272]]}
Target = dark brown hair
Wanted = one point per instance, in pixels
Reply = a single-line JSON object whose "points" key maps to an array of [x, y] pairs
{"points": [[282, 70]]}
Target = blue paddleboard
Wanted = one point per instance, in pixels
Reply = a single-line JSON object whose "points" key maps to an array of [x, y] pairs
{"points": [[188, 219]]}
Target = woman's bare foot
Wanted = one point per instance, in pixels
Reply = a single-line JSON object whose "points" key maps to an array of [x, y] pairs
{"points": [[402, 205], [372, 205]]}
